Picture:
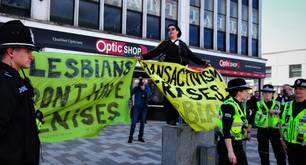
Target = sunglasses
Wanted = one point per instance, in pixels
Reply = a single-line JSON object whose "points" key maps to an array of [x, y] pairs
{"points": [[171, 29]]}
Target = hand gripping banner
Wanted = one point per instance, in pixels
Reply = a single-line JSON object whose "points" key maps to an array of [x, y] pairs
{"points": [[80, 94], [196, 95]]}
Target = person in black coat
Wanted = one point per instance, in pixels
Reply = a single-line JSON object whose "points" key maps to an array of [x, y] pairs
{"points": [[176, 51], [19, 141]]}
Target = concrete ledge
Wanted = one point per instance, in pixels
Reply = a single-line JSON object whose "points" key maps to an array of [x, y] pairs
{"points": [[182, 146]]}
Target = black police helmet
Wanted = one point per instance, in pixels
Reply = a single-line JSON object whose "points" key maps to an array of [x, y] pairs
{"points": [[299, 83], [236, 84], [14, 34], [268, 88]]}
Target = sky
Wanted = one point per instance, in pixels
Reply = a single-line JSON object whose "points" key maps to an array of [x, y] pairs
{"points": [[283, 25]]}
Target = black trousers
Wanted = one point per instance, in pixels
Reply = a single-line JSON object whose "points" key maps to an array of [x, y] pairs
{"points": [[171, 112], [238, 151], [296, 154], [264, 135]]}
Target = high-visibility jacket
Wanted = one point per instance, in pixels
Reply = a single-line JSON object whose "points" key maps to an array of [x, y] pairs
{"points": [[263, 118], [293, 129], [240, 124]]}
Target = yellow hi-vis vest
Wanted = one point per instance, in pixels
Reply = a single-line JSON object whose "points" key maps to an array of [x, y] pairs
{"points": [[294, 129], [263, 118], [239, 128]]}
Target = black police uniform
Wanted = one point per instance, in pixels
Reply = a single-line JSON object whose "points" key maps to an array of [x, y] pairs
{"points": [[19, 141]]}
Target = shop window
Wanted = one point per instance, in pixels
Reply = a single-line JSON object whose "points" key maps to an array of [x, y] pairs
{"points": [[208, 38], [16, 7], [153, 27], [295, 71], [89, 13], [233, 43], [255, 47], [194, 28], [153, 19], [117, 3], [194, 33], [244, 45], [62, 11], [112, 18], [221, 41], [134, 23]]}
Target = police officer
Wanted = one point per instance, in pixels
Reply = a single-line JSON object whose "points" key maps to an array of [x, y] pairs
{"points": [[267, 118], [294, 124], [19, 141], [233, 124]]}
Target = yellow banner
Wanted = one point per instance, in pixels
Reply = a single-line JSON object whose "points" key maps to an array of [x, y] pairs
{"points": [[196, 95]]}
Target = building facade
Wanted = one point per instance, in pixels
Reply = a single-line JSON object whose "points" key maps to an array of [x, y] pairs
{"points": [[285, 67], [226, 33]]}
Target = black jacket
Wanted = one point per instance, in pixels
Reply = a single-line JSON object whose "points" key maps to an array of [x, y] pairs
{"points": [[19, 141], [173, 53]]}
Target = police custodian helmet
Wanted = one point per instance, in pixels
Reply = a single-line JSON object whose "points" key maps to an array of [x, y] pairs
{"points": [[236, 84], [13, 34]]}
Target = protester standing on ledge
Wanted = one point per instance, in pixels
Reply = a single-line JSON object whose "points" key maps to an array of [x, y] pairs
{"points": [[19, 141], [266, 117], [294, 125], [233, 124], [173, 50]]}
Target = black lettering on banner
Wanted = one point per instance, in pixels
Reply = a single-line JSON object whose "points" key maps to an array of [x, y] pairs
{"points": [[79, 86], [208, 76], [218, 95], [106, 90], [117, 90], [110, 110], [215, 74], [118, 69], [173, 77], [187, 77], [166, 89], [152, 69], [206, 93], [88, 118], [36, 72], [179, 91], [86, 67], [106, 68], [180, 83], [70, 64], [74, 118], [167, 71], [95, 91], [51, 63], [193, 92], [97, 68], [47, 97], [100, 113], [160, 70], [128, 67], [44, 130], [60, 96], [196, 77], [57, 119]]}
